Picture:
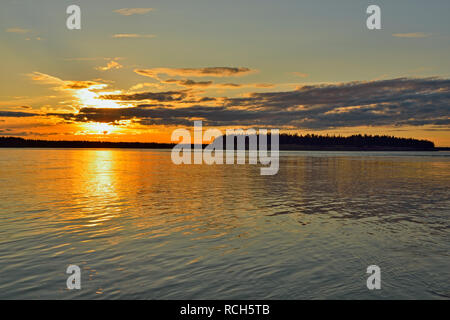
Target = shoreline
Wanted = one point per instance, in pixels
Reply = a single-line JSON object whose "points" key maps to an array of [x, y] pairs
{"points": [[341, 145], [282, 148]]}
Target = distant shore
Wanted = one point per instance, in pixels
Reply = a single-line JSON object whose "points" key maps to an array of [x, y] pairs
{"points": [[314, 143]]}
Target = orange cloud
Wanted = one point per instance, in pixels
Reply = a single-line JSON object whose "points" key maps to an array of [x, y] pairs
{"points": [[110, 65], [300, 74], [412, 35], [18, 30], [195, 72], [132, 11], [132, 35], [65, 84]]}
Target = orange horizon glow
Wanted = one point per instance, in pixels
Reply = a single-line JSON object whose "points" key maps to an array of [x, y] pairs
{"points": [[97, 131]]}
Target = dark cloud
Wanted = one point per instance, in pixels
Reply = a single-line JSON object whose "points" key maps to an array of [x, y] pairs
{"points": [[167, 96], [10, 132], [195, 72], [193, 83], [395, 102], [17, 114], [189, 83], [232, 85], [79, 84]]}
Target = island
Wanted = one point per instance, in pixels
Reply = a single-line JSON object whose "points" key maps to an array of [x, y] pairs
{"points": [[286, 142]]}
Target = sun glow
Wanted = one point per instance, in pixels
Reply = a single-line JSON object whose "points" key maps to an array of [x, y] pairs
{"points": [[98, 128], [91, 99]]}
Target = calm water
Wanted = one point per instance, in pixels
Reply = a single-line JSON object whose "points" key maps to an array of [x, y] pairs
{"points": [[141, 227]]}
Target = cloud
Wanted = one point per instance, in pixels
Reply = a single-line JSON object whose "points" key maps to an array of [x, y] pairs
{"points": [[145, 84], [195, 72], [10, 132], [18, 30], [65, 84], [264, 85], [193, 83], [132, 11], [229, 85], [45, 78], [412, 35], [300, 74], [167, 96], [212, 85], [189, 83], [17, 114], [132, 36], [93, 58], [393, 102], [110, 65], [76, 85]]}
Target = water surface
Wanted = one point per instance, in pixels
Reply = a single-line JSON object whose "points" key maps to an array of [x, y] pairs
{"points": [[141, 227]]}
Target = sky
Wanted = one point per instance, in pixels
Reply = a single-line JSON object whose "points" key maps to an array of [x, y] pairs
{"points": [[137, 70]]}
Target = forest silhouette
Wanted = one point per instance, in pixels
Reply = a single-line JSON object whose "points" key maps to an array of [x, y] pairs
{"points": [[286, 141]]}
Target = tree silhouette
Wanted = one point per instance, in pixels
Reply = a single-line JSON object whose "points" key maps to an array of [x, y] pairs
{"points": [[287, 141]]}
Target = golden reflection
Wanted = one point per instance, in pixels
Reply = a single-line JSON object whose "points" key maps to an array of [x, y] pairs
{"points": [[100, 184], [95, 203]]}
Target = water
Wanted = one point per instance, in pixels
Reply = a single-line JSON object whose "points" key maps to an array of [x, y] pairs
{"points": [[141, 227]]}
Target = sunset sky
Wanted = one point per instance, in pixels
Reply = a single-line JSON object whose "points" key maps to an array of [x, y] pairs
{"points": [[137, 70]]}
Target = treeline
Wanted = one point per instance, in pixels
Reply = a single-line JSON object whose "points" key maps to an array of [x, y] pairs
{"points": [[287, 142], [13, 142], [354, 142]]}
